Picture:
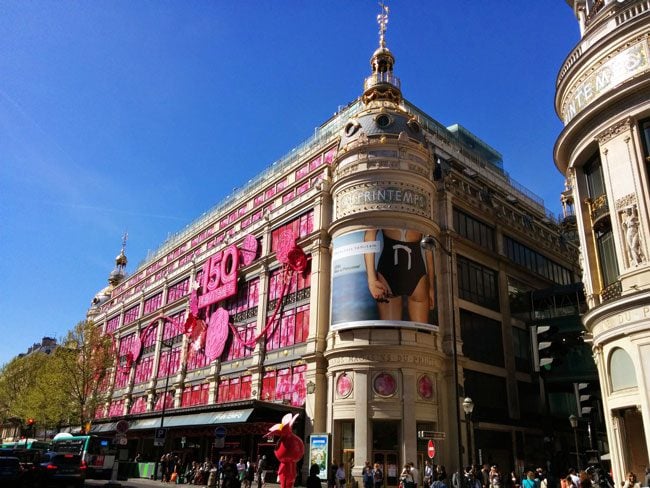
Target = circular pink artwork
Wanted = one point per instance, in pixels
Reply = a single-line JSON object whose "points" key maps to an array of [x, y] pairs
{"points": [[344, 386], [215, 340], [384, 384], [425, 387]]}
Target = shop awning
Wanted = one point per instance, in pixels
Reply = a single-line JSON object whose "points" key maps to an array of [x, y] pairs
{"points": [[109, 427], [197, 419]]}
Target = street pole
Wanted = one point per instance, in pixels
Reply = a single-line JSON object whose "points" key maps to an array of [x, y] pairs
{"points": [[574, 425], [164, 405], [428, 243], [468, 408]]}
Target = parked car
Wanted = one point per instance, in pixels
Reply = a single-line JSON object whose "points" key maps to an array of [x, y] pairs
{"points": [[57, 468], [11, 472]]}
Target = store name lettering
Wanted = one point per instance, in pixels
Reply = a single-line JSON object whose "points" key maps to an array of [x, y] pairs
{"points": [[385, 195], [219, 280], [624, 65]]}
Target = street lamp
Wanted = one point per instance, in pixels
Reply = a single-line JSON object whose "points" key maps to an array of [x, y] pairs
{"points": [[573, 420], [428, 242], [169, 346], [468, 408]]}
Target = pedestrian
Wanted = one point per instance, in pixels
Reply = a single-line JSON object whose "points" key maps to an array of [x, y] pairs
{"points": [[495, 477], [529, 481], [440, 481], [428, 474], [406, 478], [261, 471], [340, 476], [313, 480], [630, 481], [415, 473], [378, 476]]}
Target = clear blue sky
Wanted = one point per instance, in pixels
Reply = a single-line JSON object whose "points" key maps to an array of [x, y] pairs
{"points": [[141, 115]]}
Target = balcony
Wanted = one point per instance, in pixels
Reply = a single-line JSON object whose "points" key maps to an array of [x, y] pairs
{"points": [[382, 79], [611, 292]]}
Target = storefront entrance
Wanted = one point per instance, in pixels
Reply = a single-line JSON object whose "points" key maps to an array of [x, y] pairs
{"points": [[389, 463]]}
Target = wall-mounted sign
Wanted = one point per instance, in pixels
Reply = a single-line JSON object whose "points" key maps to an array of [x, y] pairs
{"points": [[619, 68], [397, 196]]}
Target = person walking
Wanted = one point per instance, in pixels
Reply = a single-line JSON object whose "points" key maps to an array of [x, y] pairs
{"points": [[378, 476], [261, 471]]}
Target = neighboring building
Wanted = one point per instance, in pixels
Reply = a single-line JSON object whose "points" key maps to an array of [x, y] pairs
{"points": [[46, 346], [362, 342], [603, 97]]}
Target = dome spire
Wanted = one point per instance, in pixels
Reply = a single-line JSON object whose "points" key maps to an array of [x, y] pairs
{"points": [[382, 84], [118, 274]]}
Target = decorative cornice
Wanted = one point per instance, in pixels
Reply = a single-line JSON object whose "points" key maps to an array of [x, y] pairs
{"points": [[615, 130]]}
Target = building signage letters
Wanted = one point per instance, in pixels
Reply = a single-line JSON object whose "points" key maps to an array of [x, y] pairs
{"points": [[627, 317], [219, 280], [385, 195], [624, 65], [384, 358]]}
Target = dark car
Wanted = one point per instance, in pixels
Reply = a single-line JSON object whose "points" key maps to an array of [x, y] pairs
{"points": [[11, 472], [61, 469], [29, 460]]}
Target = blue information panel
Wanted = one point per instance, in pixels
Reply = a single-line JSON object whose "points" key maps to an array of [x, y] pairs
{"points": [[319, 453]]}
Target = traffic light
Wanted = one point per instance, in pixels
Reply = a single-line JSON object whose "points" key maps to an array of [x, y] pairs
{"points": [[543, 346], [584, 395], [30, 427]]}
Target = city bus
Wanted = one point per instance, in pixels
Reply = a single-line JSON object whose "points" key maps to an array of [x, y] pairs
{"points": [[26, 444], [97, 453]]}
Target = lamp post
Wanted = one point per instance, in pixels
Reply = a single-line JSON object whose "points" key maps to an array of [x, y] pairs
{"points": [[573, 420], [468, 408], [164, 404], [428, 242]]}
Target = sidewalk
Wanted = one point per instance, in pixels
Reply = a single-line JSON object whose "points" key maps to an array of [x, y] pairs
{"points": [[144, 482]]}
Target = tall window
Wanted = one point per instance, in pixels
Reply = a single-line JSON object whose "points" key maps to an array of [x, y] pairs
{"points": [[536, 262], [645, 132], [482, 339], [593, 171], [607, 255], [473, 229], [477, 284]]}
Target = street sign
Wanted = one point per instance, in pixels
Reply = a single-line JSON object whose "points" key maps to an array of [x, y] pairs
{"points": [[122, 441], [220, 432], [431, 449], [122, 427], [159, 438], [219, 442], [432, 434]]}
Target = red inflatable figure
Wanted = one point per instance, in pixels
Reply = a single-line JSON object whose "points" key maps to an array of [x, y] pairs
{"points": [[289, 450]]}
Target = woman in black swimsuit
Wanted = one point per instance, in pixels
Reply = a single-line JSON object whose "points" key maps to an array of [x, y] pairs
{"points": [[404, 269]]}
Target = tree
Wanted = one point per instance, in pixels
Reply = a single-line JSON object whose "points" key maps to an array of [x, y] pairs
{"points": [[82, 362], [18, 378]]}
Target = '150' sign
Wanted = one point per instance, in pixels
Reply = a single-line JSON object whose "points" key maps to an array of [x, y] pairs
{"points": [[219, 280]]}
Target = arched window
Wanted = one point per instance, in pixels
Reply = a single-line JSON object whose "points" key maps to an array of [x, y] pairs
{"points": [[621, 370]]}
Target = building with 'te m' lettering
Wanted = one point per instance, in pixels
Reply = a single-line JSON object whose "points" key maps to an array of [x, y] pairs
{"points": [[603, 98], [369, 282]]}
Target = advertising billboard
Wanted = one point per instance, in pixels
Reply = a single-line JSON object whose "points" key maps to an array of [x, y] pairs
{"points": [[318, 453], [382, 277]]}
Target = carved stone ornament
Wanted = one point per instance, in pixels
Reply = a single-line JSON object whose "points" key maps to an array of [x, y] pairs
{"points": [[626, 201], [613, 131], [630, 226]]}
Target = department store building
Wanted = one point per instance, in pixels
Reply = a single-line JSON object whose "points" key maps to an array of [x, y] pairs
{"points": [[368, 281], [603, 98]]}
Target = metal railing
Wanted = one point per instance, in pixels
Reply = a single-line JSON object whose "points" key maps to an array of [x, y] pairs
{"points": [[381, 78]]}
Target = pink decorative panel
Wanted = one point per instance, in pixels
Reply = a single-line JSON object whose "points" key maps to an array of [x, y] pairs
{"points": [[152, 304], [384, 384], [131, 314], [139, 405], [425, 387], [112, 324], [344, 385]]}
